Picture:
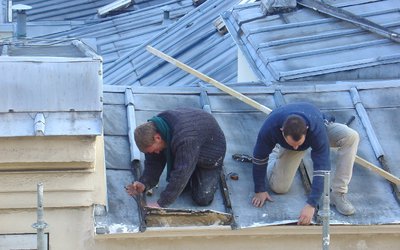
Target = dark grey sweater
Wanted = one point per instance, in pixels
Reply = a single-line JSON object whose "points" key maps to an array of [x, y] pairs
{"points": [[197, 141]]}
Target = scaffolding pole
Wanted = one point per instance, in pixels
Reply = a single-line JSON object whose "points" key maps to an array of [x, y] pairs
{"points": [[325, 214], [40, 225]]}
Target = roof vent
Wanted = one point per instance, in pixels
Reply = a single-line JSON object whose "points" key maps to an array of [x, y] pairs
{"points": [[166, 10], [271, 7], [198, 2], [21, 19], [114, 6], [220, 25]]}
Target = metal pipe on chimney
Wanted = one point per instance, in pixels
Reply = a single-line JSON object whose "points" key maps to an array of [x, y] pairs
{"points": [[21, 19], [166, 15]]}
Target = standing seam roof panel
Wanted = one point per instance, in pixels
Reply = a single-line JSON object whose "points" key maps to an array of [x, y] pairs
{"points": [[182, 37], [304, 44]]}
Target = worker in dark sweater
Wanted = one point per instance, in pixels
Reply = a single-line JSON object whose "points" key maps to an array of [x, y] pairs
{"points": [[286, 133], [192, 146]]}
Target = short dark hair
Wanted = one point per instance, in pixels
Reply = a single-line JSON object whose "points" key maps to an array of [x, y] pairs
{"points": [[144, 135], [295, 126]]}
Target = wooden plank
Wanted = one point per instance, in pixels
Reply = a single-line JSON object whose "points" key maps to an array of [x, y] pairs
{"points": [[210, 80], [388, 176]]}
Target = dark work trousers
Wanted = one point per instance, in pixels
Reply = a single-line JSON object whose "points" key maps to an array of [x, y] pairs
{"points": [[204, 184]]}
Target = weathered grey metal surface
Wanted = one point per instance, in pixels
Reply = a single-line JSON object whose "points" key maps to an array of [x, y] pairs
{"points": [[307, 45], [347, 16], [44, 50], [2, 12], [14, 124], [291, 46], [76, 9], [118, 35], [122, 216], [118, 164], [371, 194], [194, 40], [42, 28], [143, 4], [50, 78], [6, 31], [62, 10], [60, 83]]}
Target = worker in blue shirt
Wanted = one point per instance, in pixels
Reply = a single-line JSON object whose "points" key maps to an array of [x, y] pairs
{"points": [[285, 136]]}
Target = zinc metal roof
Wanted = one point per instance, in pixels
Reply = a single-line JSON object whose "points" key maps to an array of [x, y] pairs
{"points": [[194, 40], [304, 44], [62, 10], [118, 35], [58, 84], [241, 124], [78, 9]]}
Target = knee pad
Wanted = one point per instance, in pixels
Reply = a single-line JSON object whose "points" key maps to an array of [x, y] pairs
{"points": [[204, 201]]}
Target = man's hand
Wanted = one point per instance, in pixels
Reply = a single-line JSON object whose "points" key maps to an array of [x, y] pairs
{"points": [[153, 205], [260, 198], [306, 215], [135, 188]]}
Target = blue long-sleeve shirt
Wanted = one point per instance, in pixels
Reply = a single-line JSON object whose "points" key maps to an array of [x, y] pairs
{"points": [[316, 138]]}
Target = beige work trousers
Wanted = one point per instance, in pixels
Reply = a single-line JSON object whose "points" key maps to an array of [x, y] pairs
{"points": [[283, 163]]}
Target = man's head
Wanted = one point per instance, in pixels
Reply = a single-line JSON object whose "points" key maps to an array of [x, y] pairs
{"points": [[294, 130], [148, 139]]}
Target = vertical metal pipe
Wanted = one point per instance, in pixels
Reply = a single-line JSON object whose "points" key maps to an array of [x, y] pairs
{"points": [[131, 116], [21, 23], [9, 12], [40, 225], [362, 113], [135, 154], [40, 213], [326, 212]]}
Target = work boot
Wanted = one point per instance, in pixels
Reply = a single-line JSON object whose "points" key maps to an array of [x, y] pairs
{"points": [[341, 203]]}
